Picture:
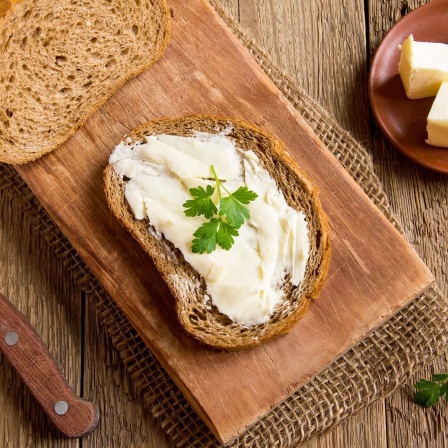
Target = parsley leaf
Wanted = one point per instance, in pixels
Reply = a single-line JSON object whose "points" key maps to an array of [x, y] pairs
{"points": [[205, 240], [225, 217], [444, 391], [211, 233], [438, 377], [427, 397], [429, 392], [424, 385], [244, 195], [234, 211], [225, 235], [202, 203]]}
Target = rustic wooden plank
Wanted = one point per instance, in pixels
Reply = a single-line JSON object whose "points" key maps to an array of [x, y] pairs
{"points": [[37, 285], [322, 45], [419, 198], [186, 80]]}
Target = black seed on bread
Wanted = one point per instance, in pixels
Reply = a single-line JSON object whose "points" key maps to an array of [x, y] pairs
{"points": [[196, 314], [60, 60]]}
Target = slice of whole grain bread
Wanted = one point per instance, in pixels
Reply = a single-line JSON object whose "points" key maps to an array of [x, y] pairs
{"points": [[60, 60], [188, 288]]}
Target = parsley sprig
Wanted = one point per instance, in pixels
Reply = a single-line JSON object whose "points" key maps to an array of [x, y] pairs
{"points": [[429, 392], [225, 217]]}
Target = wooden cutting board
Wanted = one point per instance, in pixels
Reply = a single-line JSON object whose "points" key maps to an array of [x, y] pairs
{"points": [[374, 272]]}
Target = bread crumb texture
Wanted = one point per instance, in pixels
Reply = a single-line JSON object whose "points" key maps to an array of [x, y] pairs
{"points": [[60, 60], [195, 310]]}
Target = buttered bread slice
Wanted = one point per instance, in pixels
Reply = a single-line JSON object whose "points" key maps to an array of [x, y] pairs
{"points": [[233, 225], [60, 60]]}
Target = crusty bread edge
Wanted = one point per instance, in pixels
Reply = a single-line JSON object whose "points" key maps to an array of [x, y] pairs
{"points": [[280, 152], [34, 156]]}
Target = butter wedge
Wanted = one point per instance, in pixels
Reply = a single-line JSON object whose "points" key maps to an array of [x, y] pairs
{"points": [[438, 119], [423, 67]]}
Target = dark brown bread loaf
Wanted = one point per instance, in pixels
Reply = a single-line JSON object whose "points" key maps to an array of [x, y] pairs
{"points": [[60, 60], [186, 285]]}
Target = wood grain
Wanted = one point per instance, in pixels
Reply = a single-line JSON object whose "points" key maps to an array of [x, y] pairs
{"points": [[25, 259], [374, 272]]}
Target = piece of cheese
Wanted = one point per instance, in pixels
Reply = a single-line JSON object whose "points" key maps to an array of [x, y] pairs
{"points": [[423, 67], [438, 119]]}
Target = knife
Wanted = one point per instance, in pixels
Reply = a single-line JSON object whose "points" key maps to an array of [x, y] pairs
{"points": [[27, 353]]}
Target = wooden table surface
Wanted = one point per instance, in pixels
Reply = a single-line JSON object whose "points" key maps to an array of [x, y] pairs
{"points": [[326, 45]]}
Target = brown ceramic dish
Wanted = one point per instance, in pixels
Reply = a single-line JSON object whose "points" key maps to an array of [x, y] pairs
{"points": [[403, 120]]}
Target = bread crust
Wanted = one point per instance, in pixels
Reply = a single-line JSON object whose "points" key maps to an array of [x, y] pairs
{"points": [[170, 262], [21, 142]]}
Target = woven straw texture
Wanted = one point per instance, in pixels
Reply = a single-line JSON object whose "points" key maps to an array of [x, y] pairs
{"points": [[371, 370]]}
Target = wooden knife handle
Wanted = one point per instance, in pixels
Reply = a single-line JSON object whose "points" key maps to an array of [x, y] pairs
{"points": [[27, 353]]}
